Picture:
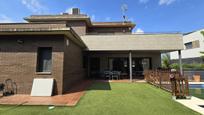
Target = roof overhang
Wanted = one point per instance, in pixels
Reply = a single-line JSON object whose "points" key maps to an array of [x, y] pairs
{"points": [[81, 17], [55, 18], [113, 24], [68, 32], [140, 42]]}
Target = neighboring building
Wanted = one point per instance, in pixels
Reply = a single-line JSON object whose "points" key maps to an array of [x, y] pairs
{"points": [[193, 43], [69, 48]]}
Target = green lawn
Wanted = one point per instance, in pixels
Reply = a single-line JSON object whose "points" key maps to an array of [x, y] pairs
{"points": [[112, 99]]}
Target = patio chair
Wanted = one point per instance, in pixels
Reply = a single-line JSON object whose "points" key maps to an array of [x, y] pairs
{"points": [[116, 74], [1, 89], [9, 88], [107, 74]]}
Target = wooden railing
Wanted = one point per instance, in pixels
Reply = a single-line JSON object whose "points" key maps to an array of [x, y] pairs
{"points": [[180, 87], [170, 81]]}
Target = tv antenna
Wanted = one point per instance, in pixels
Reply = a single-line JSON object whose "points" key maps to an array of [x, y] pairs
{"points": [[124, 9]]}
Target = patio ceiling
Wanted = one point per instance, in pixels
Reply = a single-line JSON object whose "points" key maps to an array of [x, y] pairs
{"points": [[134, 42]]}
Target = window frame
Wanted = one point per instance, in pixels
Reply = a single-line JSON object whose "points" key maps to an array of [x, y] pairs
{"points": [[187, 45], [39, 69]]}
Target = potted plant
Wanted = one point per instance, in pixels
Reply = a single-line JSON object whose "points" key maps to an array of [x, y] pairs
{"points": [[196, 77]]}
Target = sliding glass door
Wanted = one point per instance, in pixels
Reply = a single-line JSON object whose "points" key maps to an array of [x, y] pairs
{"points": [[97, 68], [139, 65], [119, 64], [122, 65]]}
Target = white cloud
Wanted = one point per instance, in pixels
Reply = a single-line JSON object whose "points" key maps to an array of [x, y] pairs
{"points": [[34, 6], [166, 2], [139, 31], [160, 2], [5, 19], [144, 1]]}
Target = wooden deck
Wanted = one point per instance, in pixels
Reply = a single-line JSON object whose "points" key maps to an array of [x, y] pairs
{"points": [[71, 98]]}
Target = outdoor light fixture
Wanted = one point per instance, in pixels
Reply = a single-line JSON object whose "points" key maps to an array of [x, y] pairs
{"points": [[67, 42]]}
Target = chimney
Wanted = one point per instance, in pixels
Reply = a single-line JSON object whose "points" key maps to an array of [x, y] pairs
{"points": [[75, 11]]}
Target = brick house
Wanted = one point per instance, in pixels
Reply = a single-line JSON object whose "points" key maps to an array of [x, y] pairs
{"points": [[70, 47]]}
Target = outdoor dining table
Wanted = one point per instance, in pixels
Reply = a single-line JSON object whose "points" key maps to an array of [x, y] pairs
{"points": [[112, 74]]}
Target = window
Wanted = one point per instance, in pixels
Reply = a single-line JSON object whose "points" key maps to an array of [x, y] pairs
{"points": [[188, 45], [119, 64], [44, 59]]}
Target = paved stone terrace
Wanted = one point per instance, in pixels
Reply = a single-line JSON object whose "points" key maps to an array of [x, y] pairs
{"points": [[194, 103]]}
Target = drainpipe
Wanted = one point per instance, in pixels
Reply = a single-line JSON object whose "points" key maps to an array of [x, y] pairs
{"points": [[180, 62], [130, 65]]}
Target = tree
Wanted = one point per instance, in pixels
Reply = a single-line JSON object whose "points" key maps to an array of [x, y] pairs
{"points": [[202, 32], [202, 55], [166, 61]]}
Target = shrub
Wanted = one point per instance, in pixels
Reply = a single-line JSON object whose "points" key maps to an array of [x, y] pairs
{"points": [[165, 61], [188, 66], [174, 66]]}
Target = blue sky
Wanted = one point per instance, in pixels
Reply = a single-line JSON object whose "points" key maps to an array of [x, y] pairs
{"points": [[149, 15]]}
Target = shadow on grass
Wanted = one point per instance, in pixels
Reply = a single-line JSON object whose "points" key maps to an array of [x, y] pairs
{"points": [[90, 85], [100, 86]]}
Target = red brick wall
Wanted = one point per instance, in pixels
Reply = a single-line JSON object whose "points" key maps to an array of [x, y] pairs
{"points": [[18, 61], [78, 26], [73, 65]]}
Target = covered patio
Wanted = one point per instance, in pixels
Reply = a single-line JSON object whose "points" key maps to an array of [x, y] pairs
{"points": [[127, 56], [101, 63]]}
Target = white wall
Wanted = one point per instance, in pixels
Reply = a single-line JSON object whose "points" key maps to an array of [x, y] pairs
{"points": [[190, 53]]}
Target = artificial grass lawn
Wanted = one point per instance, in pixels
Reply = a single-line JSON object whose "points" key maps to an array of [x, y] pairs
{"points": [[112, 99]]}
